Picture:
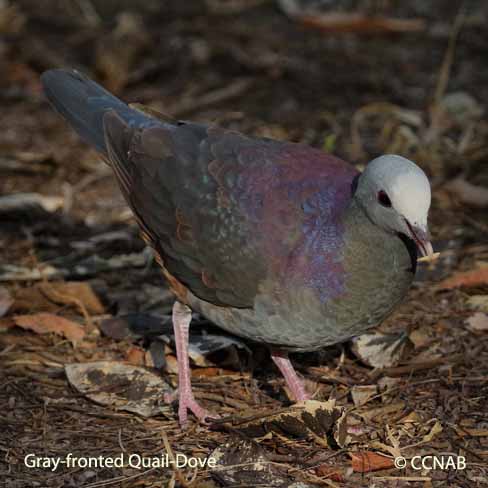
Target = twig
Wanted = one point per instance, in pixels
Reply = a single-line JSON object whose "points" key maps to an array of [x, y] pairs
{"points": [[238, 87], [412, 367]]}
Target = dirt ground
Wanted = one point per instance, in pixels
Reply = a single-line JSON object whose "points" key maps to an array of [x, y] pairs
{"points": [[355, 88]]}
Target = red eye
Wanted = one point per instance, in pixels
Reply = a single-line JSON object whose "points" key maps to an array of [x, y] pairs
{"points": [[384, 199]]}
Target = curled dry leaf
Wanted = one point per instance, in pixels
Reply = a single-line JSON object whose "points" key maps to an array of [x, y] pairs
{"points": [[474, 277], [366, 461], [46, 323], [122, 386]]}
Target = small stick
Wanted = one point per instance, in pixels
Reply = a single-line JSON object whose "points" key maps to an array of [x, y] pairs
{"points": [[428, 259]]}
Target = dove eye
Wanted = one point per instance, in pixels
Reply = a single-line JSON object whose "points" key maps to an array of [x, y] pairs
{"points": [[384, 199]]}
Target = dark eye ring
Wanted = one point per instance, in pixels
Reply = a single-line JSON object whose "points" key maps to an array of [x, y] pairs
{"points": [[384, 199]]}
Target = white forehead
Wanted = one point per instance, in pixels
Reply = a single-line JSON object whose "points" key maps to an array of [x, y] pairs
{"points": [[406, 185]]}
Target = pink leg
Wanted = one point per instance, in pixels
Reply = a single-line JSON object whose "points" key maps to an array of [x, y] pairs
{"points": [[292, 380], [181, 325]]}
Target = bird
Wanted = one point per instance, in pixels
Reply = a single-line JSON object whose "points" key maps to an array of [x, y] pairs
{"points": [[274, 241]]}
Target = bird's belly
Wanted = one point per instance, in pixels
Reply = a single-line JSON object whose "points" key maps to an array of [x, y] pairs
{"points": [[297, 320], [310, 327]]}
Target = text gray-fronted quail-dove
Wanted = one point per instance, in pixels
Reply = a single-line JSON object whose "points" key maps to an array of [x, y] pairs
{"points": [[274, 241]]}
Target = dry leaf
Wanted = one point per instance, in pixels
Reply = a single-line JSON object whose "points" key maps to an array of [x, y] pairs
{"points": [[5, 301], [366, 461], [46, 323], [420, 338], [361, 394], [306, 419], [436, 429], [46, 297], [136, 356], [478, 322], [120, 385], [330, 472], [379, 350], [474, 277], [70, 292], [31, 299], [411, 418], [242, 462]]}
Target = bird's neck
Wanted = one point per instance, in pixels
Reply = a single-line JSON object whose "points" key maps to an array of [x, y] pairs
{"points": [[372, 244], [359, 225]]}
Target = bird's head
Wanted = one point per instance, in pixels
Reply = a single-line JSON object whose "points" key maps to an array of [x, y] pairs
{"points": [[395, 194]]}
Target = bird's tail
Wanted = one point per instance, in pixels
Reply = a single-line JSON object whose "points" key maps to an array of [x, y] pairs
{"points": [[84, 103]]}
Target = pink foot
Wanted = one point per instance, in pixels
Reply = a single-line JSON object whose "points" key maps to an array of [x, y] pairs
{"points": [[293, 382], [188, 402], [181, 325]]}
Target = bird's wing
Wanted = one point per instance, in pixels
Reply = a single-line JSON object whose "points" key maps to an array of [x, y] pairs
{"points": [[223, 210]]}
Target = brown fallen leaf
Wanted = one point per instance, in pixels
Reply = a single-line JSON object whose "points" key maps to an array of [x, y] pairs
{"points": [[76, 293], [6, 301], [46, 323], [474, 277], [366, 461], [47, 297], [330, 472], [467, 193], [478, 322]]}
